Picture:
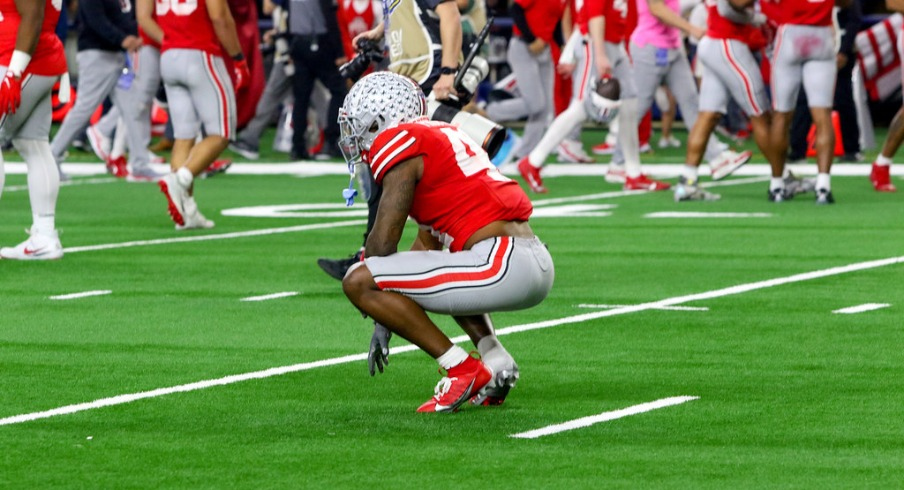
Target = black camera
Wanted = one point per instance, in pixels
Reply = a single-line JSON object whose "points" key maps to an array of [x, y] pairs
{"points": [[369, 51]]}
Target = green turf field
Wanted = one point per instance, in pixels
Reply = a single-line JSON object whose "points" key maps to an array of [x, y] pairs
{"points": [[737, 312]]}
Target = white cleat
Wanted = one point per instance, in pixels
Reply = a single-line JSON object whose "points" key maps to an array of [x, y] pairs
{"points": [[175, 196], [100, 143], [37, 247], [572, 151], [727, 162], [194, 220]]}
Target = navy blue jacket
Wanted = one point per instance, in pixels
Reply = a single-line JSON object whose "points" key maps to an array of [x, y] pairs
{"points": [[105, 23]]}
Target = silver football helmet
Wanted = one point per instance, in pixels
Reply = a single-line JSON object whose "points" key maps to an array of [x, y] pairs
{"points": [[602, 100], [374, 103]]}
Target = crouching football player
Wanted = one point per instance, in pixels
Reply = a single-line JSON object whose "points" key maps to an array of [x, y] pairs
{"points": [[434, 173]]}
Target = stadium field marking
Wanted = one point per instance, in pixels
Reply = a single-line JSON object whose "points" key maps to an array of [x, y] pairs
{"points": [[667, 308], [68, 183], [862, 308], [604, 417], [266, 297], [687, 214], [83, 294], [612, 194], [278, 371], [222, 236]]}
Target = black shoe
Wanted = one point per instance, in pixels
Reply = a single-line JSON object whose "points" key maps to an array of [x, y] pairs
{"points": [[780, 195], [824, 196], [294, 155], [328, 151], [337, 268], [247, 150]]}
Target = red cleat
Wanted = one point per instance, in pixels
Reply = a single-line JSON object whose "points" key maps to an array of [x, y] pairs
{"points": [[531, 175], [217, 167], [603, 149], [880, 176], [118, 167], [644, 183], [461, 383]]}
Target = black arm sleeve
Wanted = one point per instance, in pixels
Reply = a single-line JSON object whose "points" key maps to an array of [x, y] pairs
{"points": [[521, 21], [97, 17], [557, 35], [849, 20]]}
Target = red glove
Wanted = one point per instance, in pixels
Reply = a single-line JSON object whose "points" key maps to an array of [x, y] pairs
{"points": [[241, 74], [10, 93]]}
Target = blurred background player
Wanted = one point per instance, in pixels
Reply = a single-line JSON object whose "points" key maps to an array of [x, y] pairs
{"points": [[880, 176], [199, 91], [31, 61], [436, 174], [537, 26], [804, 55], [107, 28], [730, 72]]}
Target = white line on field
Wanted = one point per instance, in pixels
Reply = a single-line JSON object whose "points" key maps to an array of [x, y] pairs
{"points": [[68, 183], [222, 236], [265, 297], [668, 308], [862, 308], [236, 378], [608, 195], [604, 417], [84, 294], [688, 214]]}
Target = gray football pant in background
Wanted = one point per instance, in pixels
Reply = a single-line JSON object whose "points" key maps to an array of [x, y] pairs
{"points": [[676, 73], [140, 96], [277, 90], [98, 73], [534, 75]]}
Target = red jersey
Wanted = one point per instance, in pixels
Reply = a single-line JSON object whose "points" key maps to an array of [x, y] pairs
{"points": [[355, 17], [186, 25], [49, 59], [616, 13], [799, 12], [542, 17], [584, 10], [460, 191], [718, 27]]}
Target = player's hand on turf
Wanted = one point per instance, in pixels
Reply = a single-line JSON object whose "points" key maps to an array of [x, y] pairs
{"points": [[10, 93], [378, 354], [241, 74]]}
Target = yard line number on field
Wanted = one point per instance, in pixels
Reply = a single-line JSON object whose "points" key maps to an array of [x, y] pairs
{"points": [[717, 293]]}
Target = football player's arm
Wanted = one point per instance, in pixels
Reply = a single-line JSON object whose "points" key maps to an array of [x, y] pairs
{"points": [[895, 5], [395, 204], [671, 18], [597, 30], [31, 13], [144, 13], [450, 38], [426, 241], [736, 10], [224, 27]]}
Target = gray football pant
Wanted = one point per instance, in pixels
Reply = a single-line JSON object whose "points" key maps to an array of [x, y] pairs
{"points": [[98, 73], [277, 90], [534, 75], [676, 73], [140, 96]]}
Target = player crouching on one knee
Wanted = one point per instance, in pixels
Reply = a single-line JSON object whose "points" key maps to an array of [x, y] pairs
{"points": [[434, 173]]}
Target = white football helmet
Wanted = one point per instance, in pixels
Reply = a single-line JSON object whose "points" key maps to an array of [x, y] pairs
{"points": [[374, 103], [599, 108]]}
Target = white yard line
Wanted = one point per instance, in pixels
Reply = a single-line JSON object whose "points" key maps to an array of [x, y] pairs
{"points": [[604, 417], [718, 293], [689, 214], [84, 294], [266, 297], [667, 308], [222, 236], [861, 308], [68, 183]]}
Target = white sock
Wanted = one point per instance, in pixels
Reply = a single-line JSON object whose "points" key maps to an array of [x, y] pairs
{"points": [[690, 173], [824, 181], [563, 124], [184, 177], [883, 160], [43, 181], [453, 357], [776, 183]]}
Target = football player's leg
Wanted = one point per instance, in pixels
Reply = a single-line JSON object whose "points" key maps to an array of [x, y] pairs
{"points": [[214, 98], [628, 118], [819, 83]]}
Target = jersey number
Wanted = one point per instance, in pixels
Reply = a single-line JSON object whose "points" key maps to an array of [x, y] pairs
{"points": [[469, 159], [177, 7]]}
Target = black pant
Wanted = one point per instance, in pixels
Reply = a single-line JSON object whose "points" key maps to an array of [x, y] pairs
{"points": [[847, 112], [315, 59]]}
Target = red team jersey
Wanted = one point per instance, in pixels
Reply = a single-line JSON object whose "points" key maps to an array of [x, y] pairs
{"points": [[616, 13], [584, 10], [187, 26], [355, 17], [718, 27], [799, 12], [542, 17], [48, 58], [460, 191]]}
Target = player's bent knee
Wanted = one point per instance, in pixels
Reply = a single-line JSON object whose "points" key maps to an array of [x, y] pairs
{"points": [[357, 281]]}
